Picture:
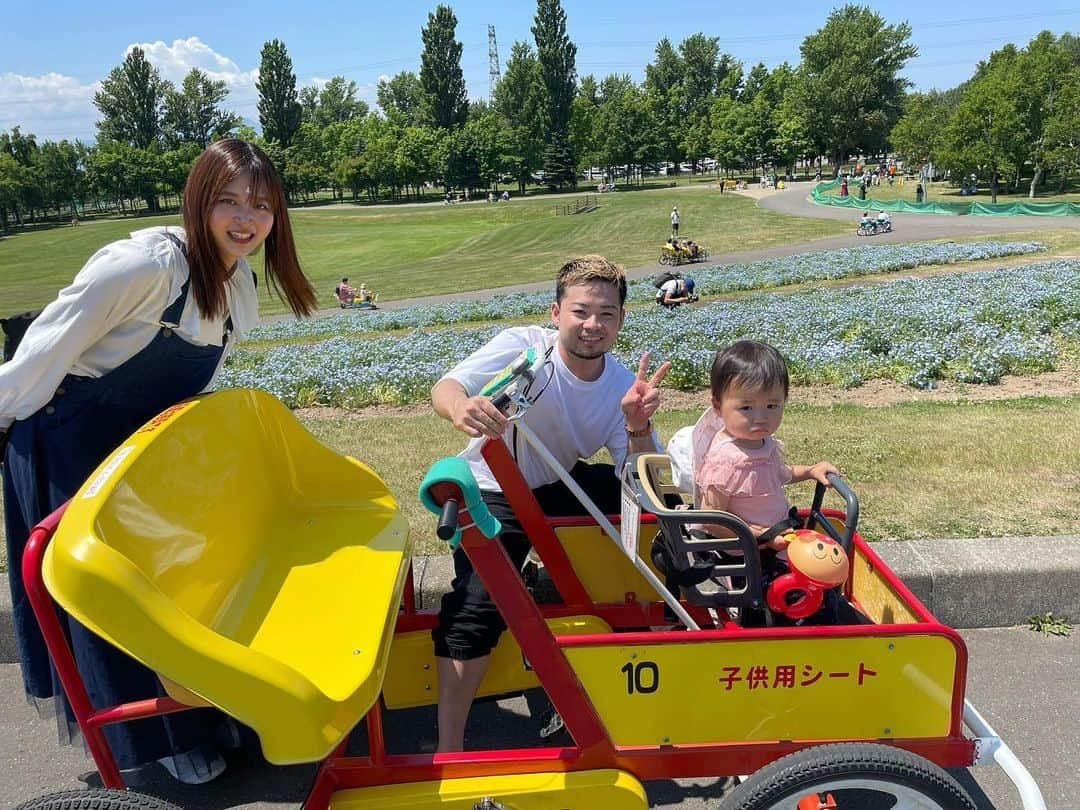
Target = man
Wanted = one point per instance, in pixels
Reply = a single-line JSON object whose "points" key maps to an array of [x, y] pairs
{"points": [[587, 401], [676, 291], [675, 221]]}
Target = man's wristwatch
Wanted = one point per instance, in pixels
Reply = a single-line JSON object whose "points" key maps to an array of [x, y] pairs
{"points": [[640, 434]]}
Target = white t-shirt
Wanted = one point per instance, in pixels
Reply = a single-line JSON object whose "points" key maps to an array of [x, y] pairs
{"points": [[573, 418], [674, 217], [110, 312], [670, 287]]}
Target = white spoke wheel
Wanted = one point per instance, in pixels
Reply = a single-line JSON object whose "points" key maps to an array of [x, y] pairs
{"points": [[97, 799], [859, 776]]}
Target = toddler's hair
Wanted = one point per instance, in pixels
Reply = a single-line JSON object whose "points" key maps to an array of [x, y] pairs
{"points": [[752, 364]]}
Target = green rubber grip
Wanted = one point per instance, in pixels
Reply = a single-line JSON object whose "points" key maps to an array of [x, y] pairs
{"points": [[455, 470]]}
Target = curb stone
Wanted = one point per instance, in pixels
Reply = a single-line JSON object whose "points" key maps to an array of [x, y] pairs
{"points": [[966, 583]]}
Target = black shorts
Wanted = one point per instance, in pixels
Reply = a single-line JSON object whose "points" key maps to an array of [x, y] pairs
{"points": [[469, 623]]}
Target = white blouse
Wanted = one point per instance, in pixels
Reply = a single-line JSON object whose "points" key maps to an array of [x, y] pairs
{"points": [[110, 312]]}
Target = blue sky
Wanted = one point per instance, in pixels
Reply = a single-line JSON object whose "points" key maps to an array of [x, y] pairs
{"points": [[51, 60]]}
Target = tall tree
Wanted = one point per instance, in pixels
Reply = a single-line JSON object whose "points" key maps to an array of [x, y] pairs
{"points": [[917, 135], [193, 113], [986, 134], [556, 56], [402, 96], [130, 101], [519, 96], [1044, 68], [338, 102], [440, 70], [849, 81], [61, 173], [279, 109]]}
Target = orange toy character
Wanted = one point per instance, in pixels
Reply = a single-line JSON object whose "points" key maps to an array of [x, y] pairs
{"points": [[817, 563]]}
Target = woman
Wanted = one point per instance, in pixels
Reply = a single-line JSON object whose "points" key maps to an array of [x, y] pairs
{"points": [[146, 323]]}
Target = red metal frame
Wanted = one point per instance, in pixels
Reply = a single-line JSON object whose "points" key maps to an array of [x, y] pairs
{"points": [[91, 721], [526, 620]]}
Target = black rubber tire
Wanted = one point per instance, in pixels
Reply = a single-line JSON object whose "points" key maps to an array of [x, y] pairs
{"points": [[823, 768], [97, 799]]}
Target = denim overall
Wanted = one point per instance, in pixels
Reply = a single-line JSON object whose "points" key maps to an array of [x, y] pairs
{"points": [[48, 458]]}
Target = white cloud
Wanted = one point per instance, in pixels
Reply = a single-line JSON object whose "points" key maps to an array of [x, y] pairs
{"points": [[52, 107], [175, 61]]}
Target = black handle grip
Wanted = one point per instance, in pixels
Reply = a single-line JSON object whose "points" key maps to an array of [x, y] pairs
{"points": [[501, 400], [851, 512], [448, 520]]}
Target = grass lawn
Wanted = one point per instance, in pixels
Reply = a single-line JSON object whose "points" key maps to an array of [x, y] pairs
{"points": [[429, 249], [921, 470]]}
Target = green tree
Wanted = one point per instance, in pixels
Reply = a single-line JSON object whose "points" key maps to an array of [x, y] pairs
{"points": [[626, 126], [194, 115], [279, 109], [986, 135], [15, 180], [402, 97], [1044, 67], [556, 56], [61, 174], [130, 102], [519, 96], [1062, 131], [681, 85], [418, 157], [440, 70], [917, 135], [337, 102], [849, 81]]}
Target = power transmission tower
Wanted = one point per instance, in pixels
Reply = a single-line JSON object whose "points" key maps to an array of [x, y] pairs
{"points": [[493, 62]]}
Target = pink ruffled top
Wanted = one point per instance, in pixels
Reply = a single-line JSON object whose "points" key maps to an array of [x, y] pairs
{"points": [[752, 478]]}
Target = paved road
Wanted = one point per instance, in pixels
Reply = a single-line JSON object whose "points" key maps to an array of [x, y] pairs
{"points": [[906, 228], [1023, 683]]}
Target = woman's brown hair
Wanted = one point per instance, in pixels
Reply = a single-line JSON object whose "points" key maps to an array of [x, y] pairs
{"points": [[214, 169]]}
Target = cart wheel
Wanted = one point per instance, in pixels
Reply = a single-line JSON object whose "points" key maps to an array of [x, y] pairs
{"points": [[863, 775], [97, 799]]}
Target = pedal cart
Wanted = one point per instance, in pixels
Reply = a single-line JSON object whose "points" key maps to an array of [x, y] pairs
{"points": [[272, 579], [682, 251]]}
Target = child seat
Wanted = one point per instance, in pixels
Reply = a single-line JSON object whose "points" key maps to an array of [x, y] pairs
{"points": [[719, 572], [251, 566]]}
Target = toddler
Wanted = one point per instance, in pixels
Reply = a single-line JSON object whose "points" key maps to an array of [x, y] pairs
{"points": [[739, 466]]}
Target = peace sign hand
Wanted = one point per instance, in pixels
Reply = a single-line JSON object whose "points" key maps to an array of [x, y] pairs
{"points": [[643, 398]]}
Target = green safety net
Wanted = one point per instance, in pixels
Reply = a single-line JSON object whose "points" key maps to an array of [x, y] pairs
{"points": [[1047, 209]]}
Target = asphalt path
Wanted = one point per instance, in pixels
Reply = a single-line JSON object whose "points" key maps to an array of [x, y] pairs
{"points": [[1022, 682], [794, 202]]}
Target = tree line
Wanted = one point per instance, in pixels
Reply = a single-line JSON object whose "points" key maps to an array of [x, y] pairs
{"points": [[1017, 117]]}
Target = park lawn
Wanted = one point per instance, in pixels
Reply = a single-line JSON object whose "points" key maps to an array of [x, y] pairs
{"points": [[921, 470], [405, 251]]}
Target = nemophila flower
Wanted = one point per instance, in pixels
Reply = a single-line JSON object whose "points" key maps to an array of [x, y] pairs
{"points": [[973, 327], [851, 262]]}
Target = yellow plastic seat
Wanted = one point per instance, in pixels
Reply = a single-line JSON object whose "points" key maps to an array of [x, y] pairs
{"points": [[228, 550]]}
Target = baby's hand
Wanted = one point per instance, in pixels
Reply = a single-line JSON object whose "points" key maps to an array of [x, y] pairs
{"points": [[778, 543], [820, 470]]}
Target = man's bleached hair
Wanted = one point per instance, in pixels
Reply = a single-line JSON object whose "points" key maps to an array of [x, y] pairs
{"points": [[586, 269]]}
